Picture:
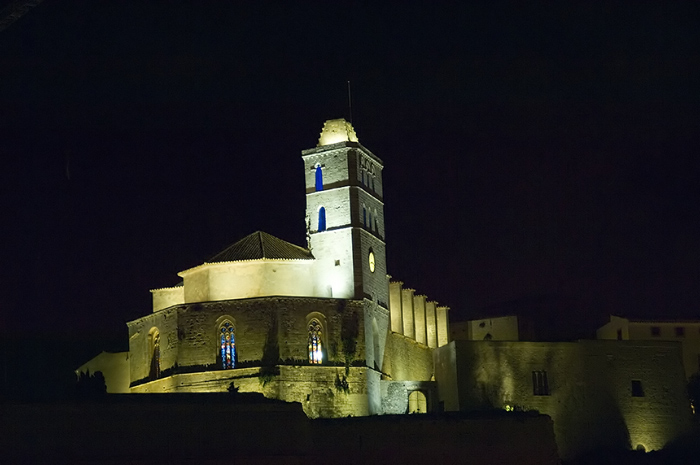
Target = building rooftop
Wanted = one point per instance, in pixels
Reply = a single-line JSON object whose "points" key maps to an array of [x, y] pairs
{"points": [[260, 245]]}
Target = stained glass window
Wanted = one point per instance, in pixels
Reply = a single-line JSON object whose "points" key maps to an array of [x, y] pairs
{"points": [[228, 346], [315, 344]]}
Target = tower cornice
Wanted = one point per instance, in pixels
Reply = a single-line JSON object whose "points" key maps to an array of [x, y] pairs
{"points": [[340, 145]]}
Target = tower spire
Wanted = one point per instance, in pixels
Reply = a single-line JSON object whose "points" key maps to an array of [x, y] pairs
{"points": [[349, 103]]}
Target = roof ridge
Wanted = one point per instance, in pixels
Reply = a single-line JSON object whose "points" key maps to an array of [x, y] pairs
{"points": [[262, 243]]}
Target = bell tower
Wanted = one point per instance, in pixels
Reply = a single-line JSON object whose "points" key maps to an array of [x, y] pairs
{"points": [[345, 214]]}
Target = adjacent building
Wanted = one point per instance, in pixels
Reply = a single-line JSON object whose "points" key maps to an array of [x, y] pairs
{"points": [[324, 325]]}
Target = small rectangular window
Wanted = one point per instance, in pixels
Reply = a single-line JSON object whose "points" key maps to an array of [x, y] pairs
{"points": [[637, 390], [540, 384], [680, 331], [655, 331]]}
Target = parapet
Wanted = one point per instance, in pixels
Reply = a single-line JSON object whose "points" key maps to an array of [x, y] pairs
{"points": [[336, 130]]}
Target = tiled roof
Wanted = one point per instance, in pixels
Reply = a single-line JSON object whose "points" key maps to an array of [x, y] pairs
{"points": [[261, 245]]}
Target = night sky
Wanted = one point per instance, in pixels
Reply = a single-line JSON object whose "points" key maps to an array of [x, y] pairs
{"points": [[529, 151]]}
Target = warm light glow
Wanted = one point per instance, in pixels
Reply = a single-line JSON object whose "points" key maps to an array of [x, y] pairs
{"points": [[336, 130], [315, 344]]}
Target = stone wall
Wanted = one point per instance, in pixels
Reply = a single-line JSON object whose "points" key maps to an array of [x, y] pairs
{"points": [[374, 284], [316, 388], [395, 396], [267, 330], [334, 262], [167, 297], [166, 323], [590, 391], [338, 206], [251, 278], [114, 366], [334, 166], [407, 360], [688, 337], [417, 317]]}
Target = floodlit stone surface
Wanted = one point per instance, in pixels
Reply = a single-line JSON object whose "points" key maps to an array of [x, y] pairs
{"points": [[336, 130], [687, 333], [384, 346], [590, 394]]}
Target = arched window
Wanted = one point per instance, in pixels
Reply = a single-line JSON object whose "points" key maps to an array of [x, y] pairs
{"points": [[315, 343], [370, 219], [322, 219], [154, 352], [364, 216], [363, 177], [376, 224], [319, 178], [228, 346], [373, 183], [417, 402]]}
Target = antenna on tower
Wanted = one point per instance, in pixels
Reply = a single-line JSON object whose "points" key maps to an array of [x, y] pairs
{"points": [[350, 102]]}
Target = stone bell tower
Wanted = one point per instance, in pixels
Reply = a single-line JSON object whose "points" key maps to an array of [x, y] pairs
{"points": [[345, 214]]}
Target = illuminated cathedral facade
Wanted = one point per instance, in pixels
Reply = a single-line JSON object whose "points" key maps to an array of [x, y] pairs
{"points": [[316, 324], [325, 326]]}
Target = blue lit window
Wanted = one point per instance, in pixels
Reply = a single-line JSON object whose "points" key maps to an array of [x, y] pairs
{"points": [[322, 219], [315, 343], [319, 178], [228, 346]]}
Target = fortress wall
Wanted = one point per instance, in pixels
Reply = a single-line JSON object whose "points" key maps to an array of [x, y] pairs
{"points": [[407, 313], [431, 324], [314, 387], [407, 360], [419, 321], [590, 388], [395, 396], [395, 306]]}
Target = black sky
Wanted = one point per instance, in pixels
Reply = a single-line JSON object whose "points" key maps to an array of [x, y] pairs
{"points": [[528, 150]]}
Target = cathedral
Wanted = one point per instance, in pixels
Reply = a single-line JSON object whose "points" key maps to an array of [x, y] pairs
{"points": [[325, 326], [320, 325]]}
